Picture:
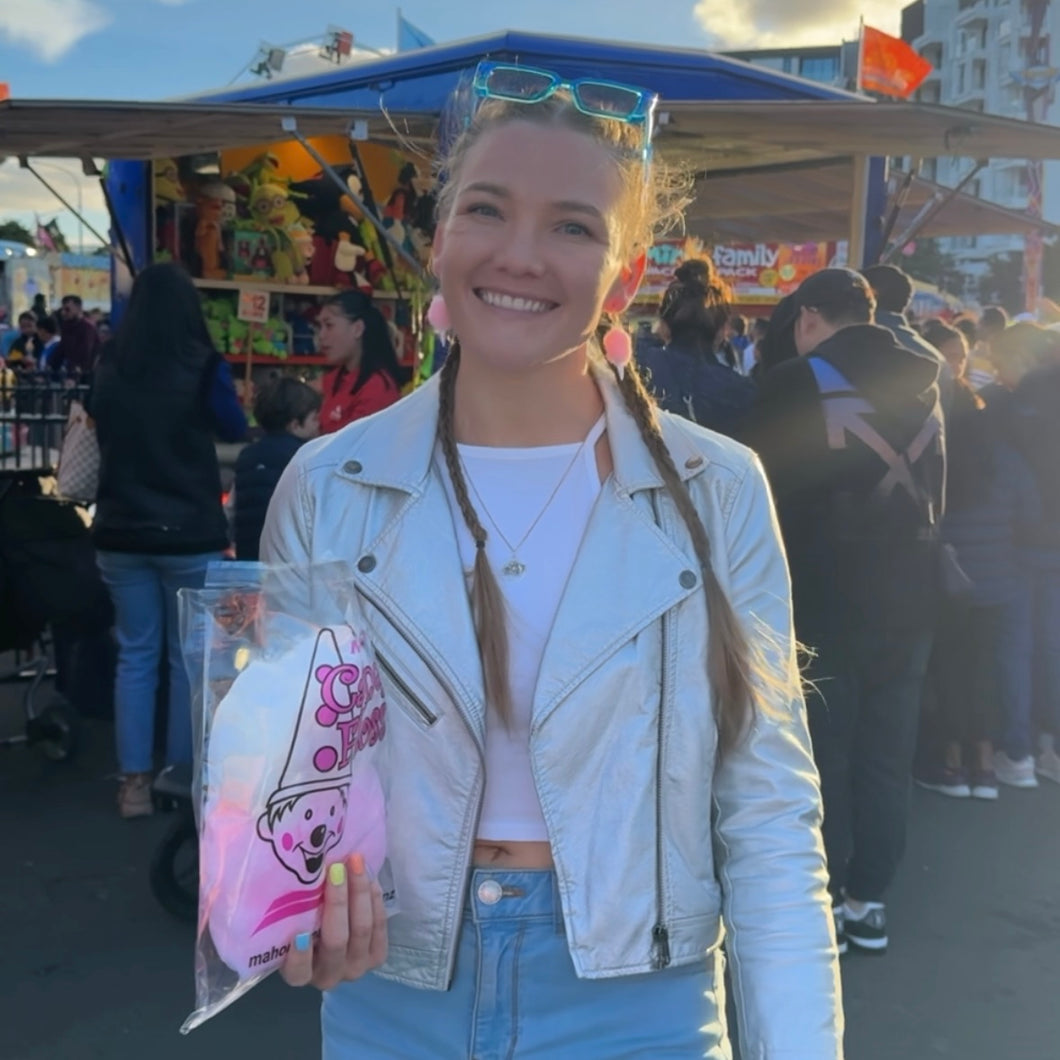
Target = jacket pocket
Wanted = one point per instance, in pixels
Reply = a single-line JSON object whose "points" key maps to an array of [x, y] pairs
{"points": [[412, 702]]}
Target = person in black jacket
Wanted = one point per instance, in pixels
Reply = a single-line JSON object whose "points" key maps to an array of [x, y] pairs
{"points": [[686, 376], [850, 433], [160, 395], [288, 411]]}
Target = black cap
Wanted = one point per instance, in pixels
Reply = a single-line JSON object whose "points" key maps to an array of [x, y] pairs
{"points": [[829, 287]]}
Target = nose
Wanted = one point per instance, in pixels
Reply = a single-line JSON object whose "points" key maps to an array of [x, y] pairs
{"points": [[318, 835], [520, 252]]}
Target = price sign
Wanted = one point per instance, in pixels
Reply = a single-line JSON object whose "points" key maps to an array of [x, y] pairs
{"points": [[253, 306]]}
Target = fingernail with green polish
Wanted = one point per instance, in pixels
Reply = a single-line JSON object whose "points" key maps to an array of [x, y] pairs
{"points": [[337, 874]]}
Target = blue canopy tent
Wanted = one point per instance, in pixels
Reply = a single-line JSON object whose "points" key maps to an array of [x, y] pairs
{"points": [[412, 88]]}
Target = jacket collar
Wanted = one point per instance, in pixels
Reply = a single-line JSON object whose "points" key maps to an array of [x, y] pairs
{"points": [[395, 450]]}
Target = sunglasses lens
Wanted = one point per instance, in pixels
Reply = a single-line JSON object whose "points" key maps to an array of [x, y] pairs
{"points": [[510, 82], [614, 101]]}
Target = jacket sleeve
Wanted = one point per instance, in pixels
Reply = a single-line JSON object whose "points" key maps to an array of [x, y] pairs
{"points": [[288, 532], [767, 814], [229, 420]]}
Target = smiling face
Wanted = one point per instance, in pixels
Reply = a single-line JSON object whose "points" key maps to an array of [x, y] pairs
{"points": [[530, 247]]}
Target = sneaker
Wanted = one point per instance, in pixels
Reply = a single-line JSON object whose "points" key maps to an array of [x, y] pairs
{"points": [[1016, 774], [1048, 765], [134, 795], [984, 784], [945, 780], [866, 930], [839, 918]]}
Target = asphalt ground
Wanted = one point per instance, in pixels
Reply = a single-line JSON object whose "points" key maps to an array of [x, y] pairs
{"points": [[93, 969]]}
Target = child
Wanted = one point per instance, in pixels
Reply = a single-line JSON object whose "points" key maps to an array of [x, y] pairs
{"points": [[582, 614], [288, 410]]}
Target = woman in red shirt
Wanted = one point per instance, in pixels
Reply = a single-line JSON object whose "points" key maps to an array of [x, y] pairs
{"points": [[353, 336]]}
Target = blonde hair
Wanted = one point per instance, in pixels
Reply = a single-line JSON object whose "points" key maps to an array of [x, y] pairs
{"points": [[652, 202]]}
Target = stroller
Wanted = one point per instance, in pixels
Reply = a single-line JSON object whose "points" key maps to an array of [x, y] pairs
{"points": [[48, 582]]}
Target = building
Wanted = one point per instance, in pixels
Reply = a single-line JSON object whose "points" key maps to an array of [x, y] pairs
{"points": [[833, 64], [991, 56]]}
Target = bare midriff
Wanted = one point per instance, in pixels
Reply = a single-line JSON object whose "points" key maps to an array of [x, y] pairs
{"points": [[501, 854]]}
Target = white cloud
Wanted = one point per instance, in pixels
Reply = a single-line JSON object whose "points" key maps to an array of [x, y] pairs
{"points": [[50, 28], [791, 23]]}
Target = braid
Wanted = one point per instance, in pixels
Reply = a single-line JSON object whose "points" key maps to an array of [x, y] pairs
{"points": [[487, 603], [730, 661]]}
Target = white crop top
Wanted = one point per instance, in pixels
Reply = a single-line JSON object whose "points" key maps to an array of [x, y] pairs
{"points": [[510, 489]]}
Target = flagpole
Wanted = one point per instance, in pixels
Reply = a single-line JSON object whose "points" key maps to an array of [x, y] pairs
{"points": [[861, 52]]}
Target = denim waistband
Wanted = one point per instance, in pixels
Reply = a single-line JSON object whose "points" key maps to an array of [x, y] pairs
{"points": [[517, 894]]}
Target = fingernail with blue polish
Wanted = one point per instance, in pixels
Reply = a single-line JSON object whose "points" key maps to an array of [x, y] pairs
{"points": [[303, 941]]}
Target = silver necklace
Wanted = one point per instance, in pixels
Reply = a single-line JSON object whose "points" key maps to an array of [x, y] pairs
{"points": [[515, 567]]}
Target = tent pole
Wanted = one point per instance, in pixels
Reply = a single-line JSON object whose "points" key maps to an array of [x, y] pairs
{"points": [[290, 126], [24, 163], [859, 208], [929, 211]]}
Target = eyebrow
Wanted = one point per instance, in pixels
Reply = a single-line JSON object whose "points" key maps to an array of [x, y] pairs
{"points": [[566, 205]]}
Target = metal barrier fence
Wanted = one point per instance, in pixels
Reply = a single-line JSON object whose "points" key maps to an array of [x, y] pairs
{"points": [[33, 415]]}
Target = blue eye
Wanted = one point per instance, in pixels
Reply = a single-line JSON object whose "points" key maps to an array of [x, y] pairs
{"points": [[483, 209], [573, 228]]}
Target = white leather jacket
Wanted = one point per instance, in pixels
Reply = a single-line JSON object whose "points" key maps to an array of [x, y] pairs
{"points": [[656, 841]]}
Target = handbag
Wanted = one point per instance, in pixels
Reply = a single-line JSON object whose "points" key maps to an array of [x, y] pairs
{"points": [[78, 475]]}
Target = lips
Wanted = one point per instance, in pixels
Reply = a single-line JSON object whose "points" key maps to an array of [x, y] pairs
{"points": [[513, 303]]}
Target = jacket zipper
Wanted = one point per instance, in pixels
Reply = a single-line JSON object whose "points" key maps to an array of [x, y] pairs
{"points": [[466, 861], [426, 714], [660, 935]]}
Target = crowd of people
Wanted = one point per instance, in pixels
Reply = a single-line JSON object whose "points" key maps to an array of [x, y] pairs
{"points": [[62, 345], [917, 489]]}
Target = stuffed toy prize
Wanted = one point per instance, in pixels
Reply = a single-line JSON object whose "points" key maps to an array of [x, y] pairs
{"points": [[289, 787]]}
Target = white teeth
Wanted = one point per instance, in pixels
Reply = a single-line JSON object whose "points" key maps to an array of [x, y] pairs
{"points": [[507, 301]]}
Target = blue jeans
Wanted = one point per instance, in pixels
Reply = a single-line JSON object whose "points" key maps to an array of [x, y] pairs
{"points": [[515, 996], [1014, 656], [1047, 649], [144, 591]]}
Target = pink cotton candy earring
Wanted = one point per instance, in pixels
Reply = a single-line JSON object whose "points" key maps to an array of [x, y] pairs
{"points": [[618, 348], [438, 315]]}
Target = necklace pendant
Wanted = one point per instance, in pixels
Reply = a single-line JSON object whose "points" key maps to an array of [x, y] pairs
{"points": [[513, 568]]}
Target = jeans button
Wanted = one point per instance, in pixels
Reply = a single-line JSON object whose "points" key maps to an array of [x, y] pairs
{"points": [[490, 892]]}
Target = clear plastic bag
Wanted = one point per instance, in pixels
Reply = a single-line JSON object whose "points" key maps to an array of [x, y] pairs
{"points": [[289, 721]]}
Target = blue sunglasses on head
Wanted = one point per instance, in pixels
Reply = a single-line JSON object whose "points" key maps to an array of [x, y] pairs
{"points": [[598, 99]]}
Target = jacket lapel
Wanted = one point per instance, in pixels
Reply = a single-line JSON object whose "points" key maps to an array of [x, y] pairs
{"points": [[411, 571], [628, 570]]}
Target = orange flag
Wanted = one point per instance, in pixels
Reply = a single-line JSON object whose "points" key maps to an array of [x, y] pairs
{"points": [[890, 66], [5, 91]]}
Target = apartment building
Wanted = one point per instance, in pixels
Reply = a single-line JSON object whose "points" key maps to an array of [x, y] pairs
{"points": [[982, 54]]}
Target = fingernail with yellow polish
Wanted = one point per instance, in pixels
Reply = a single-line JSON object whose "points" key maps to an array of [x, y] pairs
{"points": [[337, 874]]}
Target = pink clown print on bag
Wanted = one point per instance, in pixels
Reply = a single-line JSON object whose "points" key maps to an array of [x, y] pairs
{"points": [[288, 792]]}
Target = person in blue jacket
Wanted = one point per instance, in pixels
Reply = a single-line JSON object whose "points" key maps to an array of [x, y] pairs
{"points": [[686, 376], [991, 500], [288, 411]]}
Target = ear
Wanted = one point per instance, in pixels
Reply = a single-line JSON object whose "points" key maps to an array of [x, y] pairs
{"points": [[358, 329], [625, 287]]}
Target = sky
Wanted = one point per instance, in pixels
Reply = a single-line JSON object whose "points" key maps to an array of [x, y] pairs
{"points": [[161, 49]]}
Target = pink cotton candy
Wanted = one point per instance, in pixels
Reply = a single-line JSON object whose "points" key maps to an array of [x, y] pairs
{"points": [[289, 791], [618, 348], [438, 314]]}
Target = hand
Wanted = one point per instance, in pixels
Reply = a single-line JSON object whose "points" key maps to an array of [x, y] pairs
{"points": [[352, 939]]}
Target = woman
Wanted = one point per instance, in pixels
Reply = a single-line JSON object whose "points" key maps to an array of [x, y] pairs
{"points": [[686, 376], [598, 746], [353, 336], [990, 501], [160, 395]]}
